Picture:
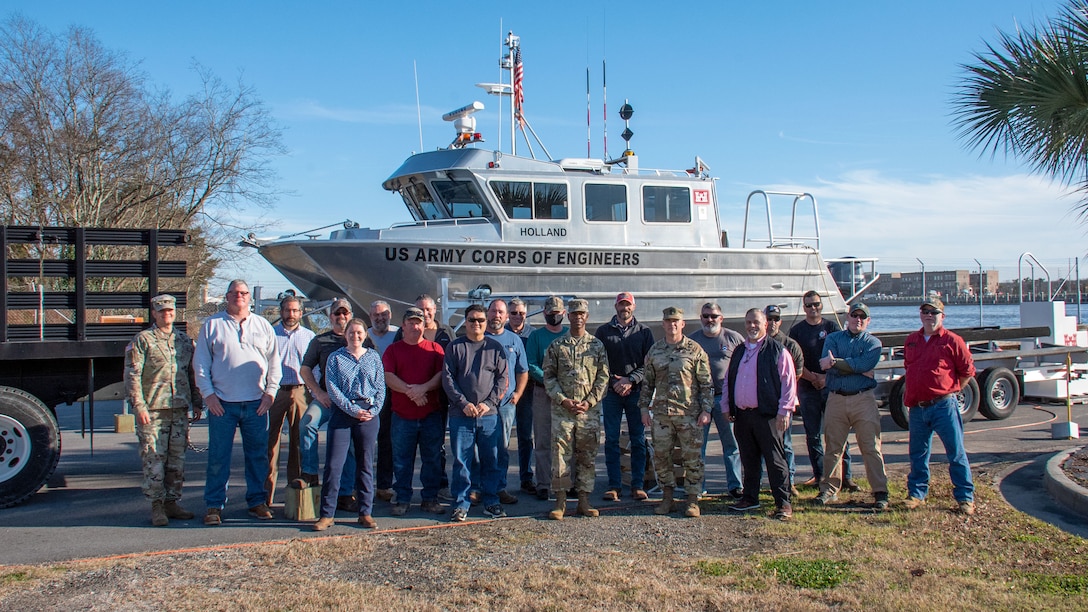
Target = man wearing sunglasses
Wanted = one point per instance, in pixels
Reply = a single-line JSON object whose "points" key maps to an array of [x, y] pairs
{"points": [[718, 343], [938, 364], [810, 334], [849, 358]]}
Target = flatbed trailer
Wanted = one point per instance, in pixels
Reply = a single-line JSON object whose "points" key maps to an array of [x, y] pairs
{"points": [[1003, 376], [61, 345]]}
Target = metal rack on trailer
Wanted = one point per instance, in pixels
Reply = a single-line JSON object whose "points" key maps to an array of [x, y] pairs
{"points": [[55, 359]]}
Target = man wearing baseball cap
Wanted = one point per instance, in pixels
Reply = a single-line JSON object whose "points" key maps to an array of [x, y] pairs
{"points": [[161, 393], [849, 357], [938, 365], [626, 341], [535, 347]]}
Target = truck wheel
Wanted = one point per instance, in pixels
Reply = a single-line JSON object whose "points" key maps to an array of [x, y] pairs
{"points": [[1000, 392], [29, 445], [968, 399], [895, 405]]}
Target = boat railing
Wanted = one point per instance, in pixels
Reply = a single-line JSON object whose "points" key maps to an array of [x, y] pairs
{"points": [[793, 239], [1032, 262], [443, 222]]}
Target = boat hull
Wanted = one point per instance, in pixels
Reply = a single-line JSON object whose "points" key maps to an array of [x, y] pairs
{"points": [[399, 271]]}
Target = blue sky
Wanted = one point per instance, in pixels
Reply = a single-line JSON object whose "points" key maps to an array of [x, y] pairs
{"points": [[850, 101]]}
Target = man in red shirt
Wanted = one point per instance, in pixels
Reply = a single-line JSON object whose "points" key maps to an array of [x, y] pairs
{"points": [[413, 375], [938, 364]]}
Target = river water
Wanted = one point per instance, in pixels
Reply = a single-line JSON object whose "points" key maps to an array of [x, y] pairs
{"points": [[903, 318]]}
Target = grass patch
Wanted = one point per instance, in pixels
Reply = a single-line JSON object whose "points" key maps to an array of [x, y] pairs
{"points": [[713, 567], [808, 573], [15, 577], [1056, 585]]}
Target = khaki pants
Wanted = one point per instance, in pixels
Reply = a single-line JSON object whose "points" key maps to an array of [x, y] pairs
{"points": [[860, 413], [289, 405]]}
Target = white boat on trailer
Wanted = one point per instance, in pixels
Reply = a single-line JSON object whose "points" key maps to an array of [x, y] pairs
{"points": [[488, 224]]}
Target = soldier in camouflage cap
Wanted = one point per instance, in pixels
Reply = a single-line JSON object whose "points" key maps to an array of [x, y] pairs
{"points": [[575, 378], [679, 391], [159, 385]]}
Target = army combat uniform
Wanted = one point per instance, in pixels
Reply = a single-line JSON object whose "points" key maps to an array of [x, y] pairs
{"points": [[677, 388], [575, 369], [159, 382]]}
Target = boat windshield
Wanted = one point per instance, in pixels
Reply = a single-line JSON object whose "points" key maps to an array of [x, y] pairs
{"points": [[462, 199], [421, 204]]}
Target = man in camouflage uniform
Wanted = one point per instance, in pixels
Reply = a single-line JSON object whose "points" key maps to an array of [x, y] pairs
{"points": [[575, 379], [160, 386], [678, 388]]}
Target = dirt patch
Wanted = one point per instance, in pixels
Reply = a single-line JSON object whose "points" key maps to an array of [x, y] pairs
{"points": [[1076, 467]]}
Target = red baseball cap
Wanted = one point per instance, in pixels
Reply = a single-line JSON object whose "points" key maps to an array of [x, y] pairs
{"points": [[625, 297]]}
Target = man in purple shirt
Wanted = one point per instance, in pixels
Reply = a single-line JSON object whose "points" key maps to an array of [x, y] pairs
{"points": [[759, 395]]}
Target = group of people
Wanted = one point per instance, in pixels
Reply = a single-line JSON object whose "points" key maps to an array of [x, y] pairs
{"points": [[388, 394]]}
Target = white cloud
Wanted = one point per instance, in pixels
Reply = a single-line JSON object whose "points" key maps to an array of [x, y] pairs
{"points": [[381, 115]]}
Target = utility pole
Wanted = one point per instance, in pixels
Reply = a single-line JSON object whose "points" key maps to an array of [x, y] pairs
{"points": [[980, 323]]}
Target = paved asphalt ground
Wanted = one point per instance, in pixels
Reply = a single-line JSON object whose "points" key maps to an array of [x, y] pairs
{"points": [[93, 507]]}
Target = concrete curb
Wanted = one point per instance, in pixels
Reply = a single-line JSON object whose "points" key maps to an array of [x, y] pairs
{"points": [[1061, 487]]}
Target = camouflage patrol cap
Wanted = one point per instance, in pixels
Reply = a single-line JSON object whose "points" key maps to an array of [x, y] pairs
{"points": [[414, 313], [339, 303], [933, 302], [553, 304], [672, 313], [578, 305], [163, 302]]}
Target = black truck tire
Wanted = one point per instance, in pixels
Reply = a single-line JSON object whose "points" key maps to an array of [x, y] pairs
{"points": [[895, 405], [1000, 393], [29, 445]]}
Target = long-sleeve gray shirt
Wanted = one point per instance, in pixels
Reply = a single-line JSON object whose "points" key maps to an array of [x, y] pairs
{"points": [[474, 373], [237, 362]]}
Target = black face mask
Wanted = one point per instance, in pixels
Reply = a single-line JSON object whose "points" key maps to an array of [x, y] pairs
{"points": [[554, 319]]}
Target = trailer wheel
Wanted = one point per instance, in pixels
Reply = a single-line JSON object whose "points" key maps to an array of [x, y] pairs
{"points": [[895, 405], [968, 399], [29, 445], [1000, 393]]}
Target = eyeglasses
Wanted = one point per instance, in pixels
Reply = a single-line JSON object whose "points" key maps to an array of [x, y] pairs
{"points": [[931, 311], [710, 316], [774, 319], [814, 305], [476, 321], [241, 293], [517, 314], [342, 313], [859, 315]]}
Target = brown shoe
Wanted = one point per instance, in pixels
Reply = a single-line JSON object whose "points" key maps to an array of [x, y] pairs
{"points": [[611, 495], [560, 507], [584, 508], [324, 523], [158, 515], [213, 517], [784, 512], [811, 482], [666, 505], [384, 494], [639, 495], [691, 510], [474, 498], [849, 485], [965, 507], [913, 503], [506, 498], [347, 503], [261, 511], [174, 510], [368, 522]]}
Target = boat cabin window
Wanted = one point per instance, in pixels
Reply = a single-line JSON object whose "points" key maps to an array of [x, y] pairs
{"points": [[666, 204], [421, 203], [462, 199], [606, 202], [527, 200]]}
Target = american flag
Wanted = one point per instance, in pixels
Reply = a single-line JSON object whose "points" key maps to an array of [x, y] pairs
{"points": [[519, 92]]}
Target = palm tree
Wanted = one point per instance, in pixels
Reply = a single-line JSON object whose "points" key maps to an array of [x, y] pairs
{"points": [[1028, 98]]}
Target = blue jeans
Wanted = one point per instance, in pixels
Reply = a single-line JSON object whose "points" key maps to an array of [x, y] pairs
{"points": [[237, 415], [813, 405], [426, 434], [614, 408], [730, 454], [506, 416], [314, 418], [524, 421], [478, 436], [344, 432], [942, 418]]}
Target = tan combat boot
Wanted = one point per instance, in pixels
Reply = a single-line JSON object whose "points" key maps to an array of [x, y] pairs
{"points": [[560, 506], [158, 515], [174, 510], [583, 506], [692, 509], [665, 506]]}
